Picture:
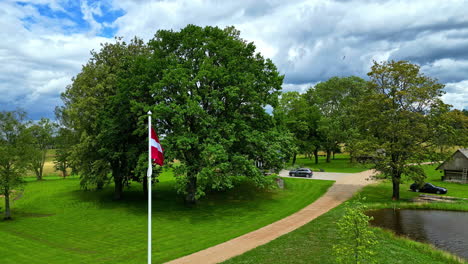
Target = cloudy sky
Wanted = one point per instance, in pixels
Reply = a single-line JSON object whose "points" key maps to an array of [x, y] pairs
{"points": [[44, 43]]}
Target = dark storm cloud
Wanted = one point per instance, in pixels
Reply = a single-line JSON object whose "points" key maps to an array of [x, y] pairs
{"points": [[427, 51]]}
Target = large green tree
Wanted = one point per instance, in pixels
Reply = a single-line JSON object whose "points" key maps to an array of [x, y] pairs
{"points": [[97, 106], [209, 104], [42, 140], [15, 144], [398, 117]]}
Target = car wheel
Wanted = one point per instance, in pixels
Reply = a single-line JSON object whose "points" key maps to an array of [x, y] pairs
{"points": [[417, 190], [438, 192]]}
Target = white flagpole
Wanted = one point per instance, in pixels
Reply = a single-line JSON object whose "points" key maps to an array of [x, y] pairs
{"points": [[150, 172]]}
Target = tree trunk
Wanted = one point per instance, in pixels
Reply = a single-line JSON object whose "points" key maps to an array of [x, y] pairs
{"points": [[316, 155], [352, 159], [118, 182], [328, 155], [64, 172], [191, 189], [145, 186], [41, 170], [38, 174], [100, 185], [294, 158], [333, 155], [7, 205], [396, 188]]}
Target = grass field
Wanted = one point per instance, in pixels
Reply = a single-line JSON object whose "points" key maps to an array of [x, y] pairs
{"points": [[313, 242], [56, 222], [339, 164]]}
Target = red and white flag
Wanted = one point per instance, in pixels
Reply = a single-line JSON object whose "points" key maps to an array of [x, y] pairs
{"points": [[156, 149]]}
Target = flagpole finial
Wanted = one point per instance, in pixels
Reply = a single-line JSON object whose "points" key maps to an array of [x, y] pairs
{"points": [[149, 113]]}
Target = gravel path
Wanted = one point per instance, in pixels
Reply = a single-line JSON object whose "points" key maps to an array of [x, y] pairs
{"points": [[345, 186]]}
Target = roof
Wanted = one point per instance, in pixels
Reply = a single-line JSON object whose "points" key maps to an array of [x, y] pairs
{"points": [[463, 151]]}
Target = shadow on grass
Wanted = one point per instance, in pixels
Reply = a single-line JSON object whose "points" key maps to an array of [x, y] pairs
{"points": [[170, 204]]}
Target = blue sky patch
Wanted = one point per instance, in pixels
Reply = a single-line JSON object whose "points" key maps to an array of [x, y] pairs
{"points": [[73, 13]]}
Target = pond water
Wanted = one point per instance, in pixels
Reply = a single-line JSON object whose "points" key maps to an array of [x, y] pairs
{"points": [[447, 230]]}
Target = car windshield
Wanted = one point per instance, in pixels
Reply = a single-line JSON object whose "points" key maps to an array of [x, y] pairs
{"points": [[430, 185], [303, 169]]}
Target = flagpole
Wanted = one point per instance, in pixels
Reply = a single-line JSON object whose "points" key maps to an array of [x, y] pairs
{"points": [[150, 172]]}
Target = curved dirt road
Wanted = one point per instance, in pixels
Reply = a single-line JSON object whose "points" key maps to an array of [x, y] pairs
{"points": [[343, 189]]}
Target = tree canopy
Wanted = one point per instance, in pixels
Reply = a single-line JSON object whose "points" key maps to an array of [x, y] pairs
{"points": [[335, 99], [208, 90], [209, 103], [97, 106], [398, 117]]}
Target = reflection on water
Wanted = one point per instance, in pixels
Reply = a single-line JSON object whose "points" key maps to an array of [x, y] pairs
{"points": [[444, 229]]}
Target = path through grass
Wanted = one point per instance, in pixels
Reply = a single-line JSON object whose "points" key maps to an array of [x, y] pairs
{"points": [[313, 242]]}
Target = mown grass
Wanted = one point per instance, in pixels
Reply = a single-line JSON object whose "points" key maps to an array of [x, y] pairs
{"points": [[341, 163], [313, 242], [56, 222]]}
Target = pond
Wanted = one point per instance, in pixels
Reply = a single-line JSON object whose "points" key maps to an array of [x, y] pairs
{"points": [[447, 230]]}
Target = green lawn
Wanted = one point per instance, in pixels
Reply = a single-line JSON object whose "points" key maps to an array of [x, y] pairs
{"points": [[339, 164], [56, 222], [379, 195], [313, 242]]}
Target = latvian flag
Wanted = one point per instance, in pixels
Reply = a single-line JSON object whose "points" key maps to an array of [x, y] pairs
{"points": [[156, 149]]}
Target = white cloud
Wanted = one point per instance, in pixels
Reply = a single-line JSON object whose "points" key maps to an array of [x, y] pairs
{"points": [[309, 41], [39, 62], [457, 96]]}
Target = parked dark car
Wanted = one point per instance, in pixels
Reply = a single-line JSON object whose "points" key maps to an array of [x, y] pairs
{"points": [[428, 188], [302, 172]]}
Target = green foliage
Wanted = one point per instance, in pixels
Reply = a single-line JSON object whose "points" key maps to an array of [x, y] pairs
{"points": [[97, 107], [15, 142], [335, 99], [209, 96], [295, 114], [399, 116], [356, 239]]}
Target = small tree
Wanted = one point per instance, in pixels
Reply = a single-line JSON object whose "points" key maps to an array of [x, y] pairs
{"points": [[41, 134], [335, 98], [14, 143], [356, 238], [64, 141]]}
